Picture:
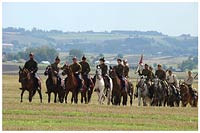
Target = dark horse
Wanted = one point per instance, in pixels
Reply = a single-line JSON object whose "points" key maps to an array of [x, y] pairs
{"points": [[159, 93], [173, 96], [117, 91], [71, 84], [87, 91], [52, 85], [28, 83], [186, 96]]}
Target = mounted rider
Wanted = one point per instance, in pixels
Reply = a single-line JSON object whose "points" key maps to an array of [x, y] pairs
{"points": [[126, 68], [189, 81], [119, 69], [161, 74], [172, 81], [55, 67], [85, 71], [104, 69], [32, 66], [145, 72], [76, 70]]}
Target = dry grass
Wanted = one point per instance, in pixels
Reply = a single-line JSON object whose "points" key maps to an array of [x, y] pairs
{"points": [[37, 116]]}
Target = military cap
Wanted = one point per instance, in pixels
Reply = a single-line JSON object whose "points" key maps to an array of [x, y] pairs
{"points": [[74, 58], [83, 58], [31, 54], [119, 59], [102, 59], [57, 58]]}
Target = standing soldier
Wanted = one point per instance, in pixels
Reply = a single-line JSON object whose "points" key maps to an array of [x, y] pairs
{"points": [[76, 69], [120, 73], [32, 66], [126, 68], [85, 71]]}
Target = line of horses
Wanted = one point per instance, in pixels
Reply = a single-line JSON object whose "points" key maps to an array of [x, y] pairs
{"points": [[153, 95]]}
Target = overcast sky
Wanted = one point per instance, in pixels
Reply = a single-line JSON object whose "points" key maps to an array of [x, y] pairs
{"points": [[168, 18]]}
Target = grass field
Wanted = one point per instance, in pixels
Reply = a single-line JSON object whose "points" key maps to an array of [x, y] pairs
{"points": [[44, 116]]}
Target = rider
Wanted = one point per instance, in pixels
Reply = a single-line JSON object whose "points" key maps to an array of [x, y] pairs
{"points": [[104, 69], [32, 67], [152, 76], [120, 72], [55, 68], [172, 80], [126, 68], [145, 72], [85, 71], [161, 74], [189, 81], [76, 69]]}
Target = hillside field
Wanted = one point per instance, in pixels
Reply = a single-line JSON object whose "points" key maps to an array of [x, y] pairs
{"points": [[92, 116]]}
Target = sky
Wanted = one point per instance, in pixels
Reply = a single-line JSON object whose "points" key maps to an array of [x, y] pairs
{"points": [[169, 18]]}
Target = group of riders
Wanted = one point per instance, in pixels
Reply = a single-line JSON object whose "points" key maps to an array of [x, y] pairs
{"points": [[82, 69]]}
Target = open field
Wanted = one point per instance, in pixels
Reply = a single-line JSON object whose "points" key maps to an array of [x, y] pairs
{"points": [[44, 116]]}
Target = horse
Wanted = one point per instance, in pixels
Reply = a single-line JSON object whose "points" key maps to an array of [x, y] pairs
{"points": [[143, 91], [159, 93], [87, 92], [100, 87], [28, 83], [117, 91], [174, 96], [186, 96], [71, 84], [52, 85], [130, 89]]}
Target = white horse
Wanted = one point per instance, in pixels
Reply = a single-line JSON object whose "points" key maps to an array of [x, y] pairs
{"points": [[143, 92], [100, 87]]}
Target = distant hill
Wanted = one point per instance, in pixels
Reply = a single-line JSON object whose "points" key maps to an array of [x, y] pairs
{"points": [[125, 42]]}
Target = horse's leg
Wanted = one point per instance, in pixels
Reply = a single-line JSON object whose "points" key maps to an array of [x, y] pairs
{"points": [[55, 96], [66, 94], [30, 96], [86, 98], [49, 97], [82, 97], [39, 91], [139, 97], [131, 99], [108, 96], [22, 95]]}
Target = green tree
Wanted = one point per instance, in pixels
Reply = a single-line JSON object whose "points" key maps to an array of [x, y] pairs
{"points": [[76, 52]]}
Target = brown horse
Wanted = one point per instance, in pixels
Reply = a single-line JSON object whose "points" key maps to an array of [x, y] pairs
{"points": [[28, 83], [52, 85], [186, 96], [117, 91], [87, 92], [71, 84]]}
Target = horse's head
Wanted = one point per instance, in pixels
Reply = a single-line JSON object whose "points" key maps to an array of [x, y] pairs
{"points": [[141, 81], [98, 72], [24, 74], [66, 70], [112, 72], [48, 70], [156, 82], [184, 89]]}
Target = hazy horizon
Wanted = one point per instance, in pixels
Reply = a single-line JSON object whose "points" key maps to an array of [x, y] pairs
{"points": [[169, 18]]}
